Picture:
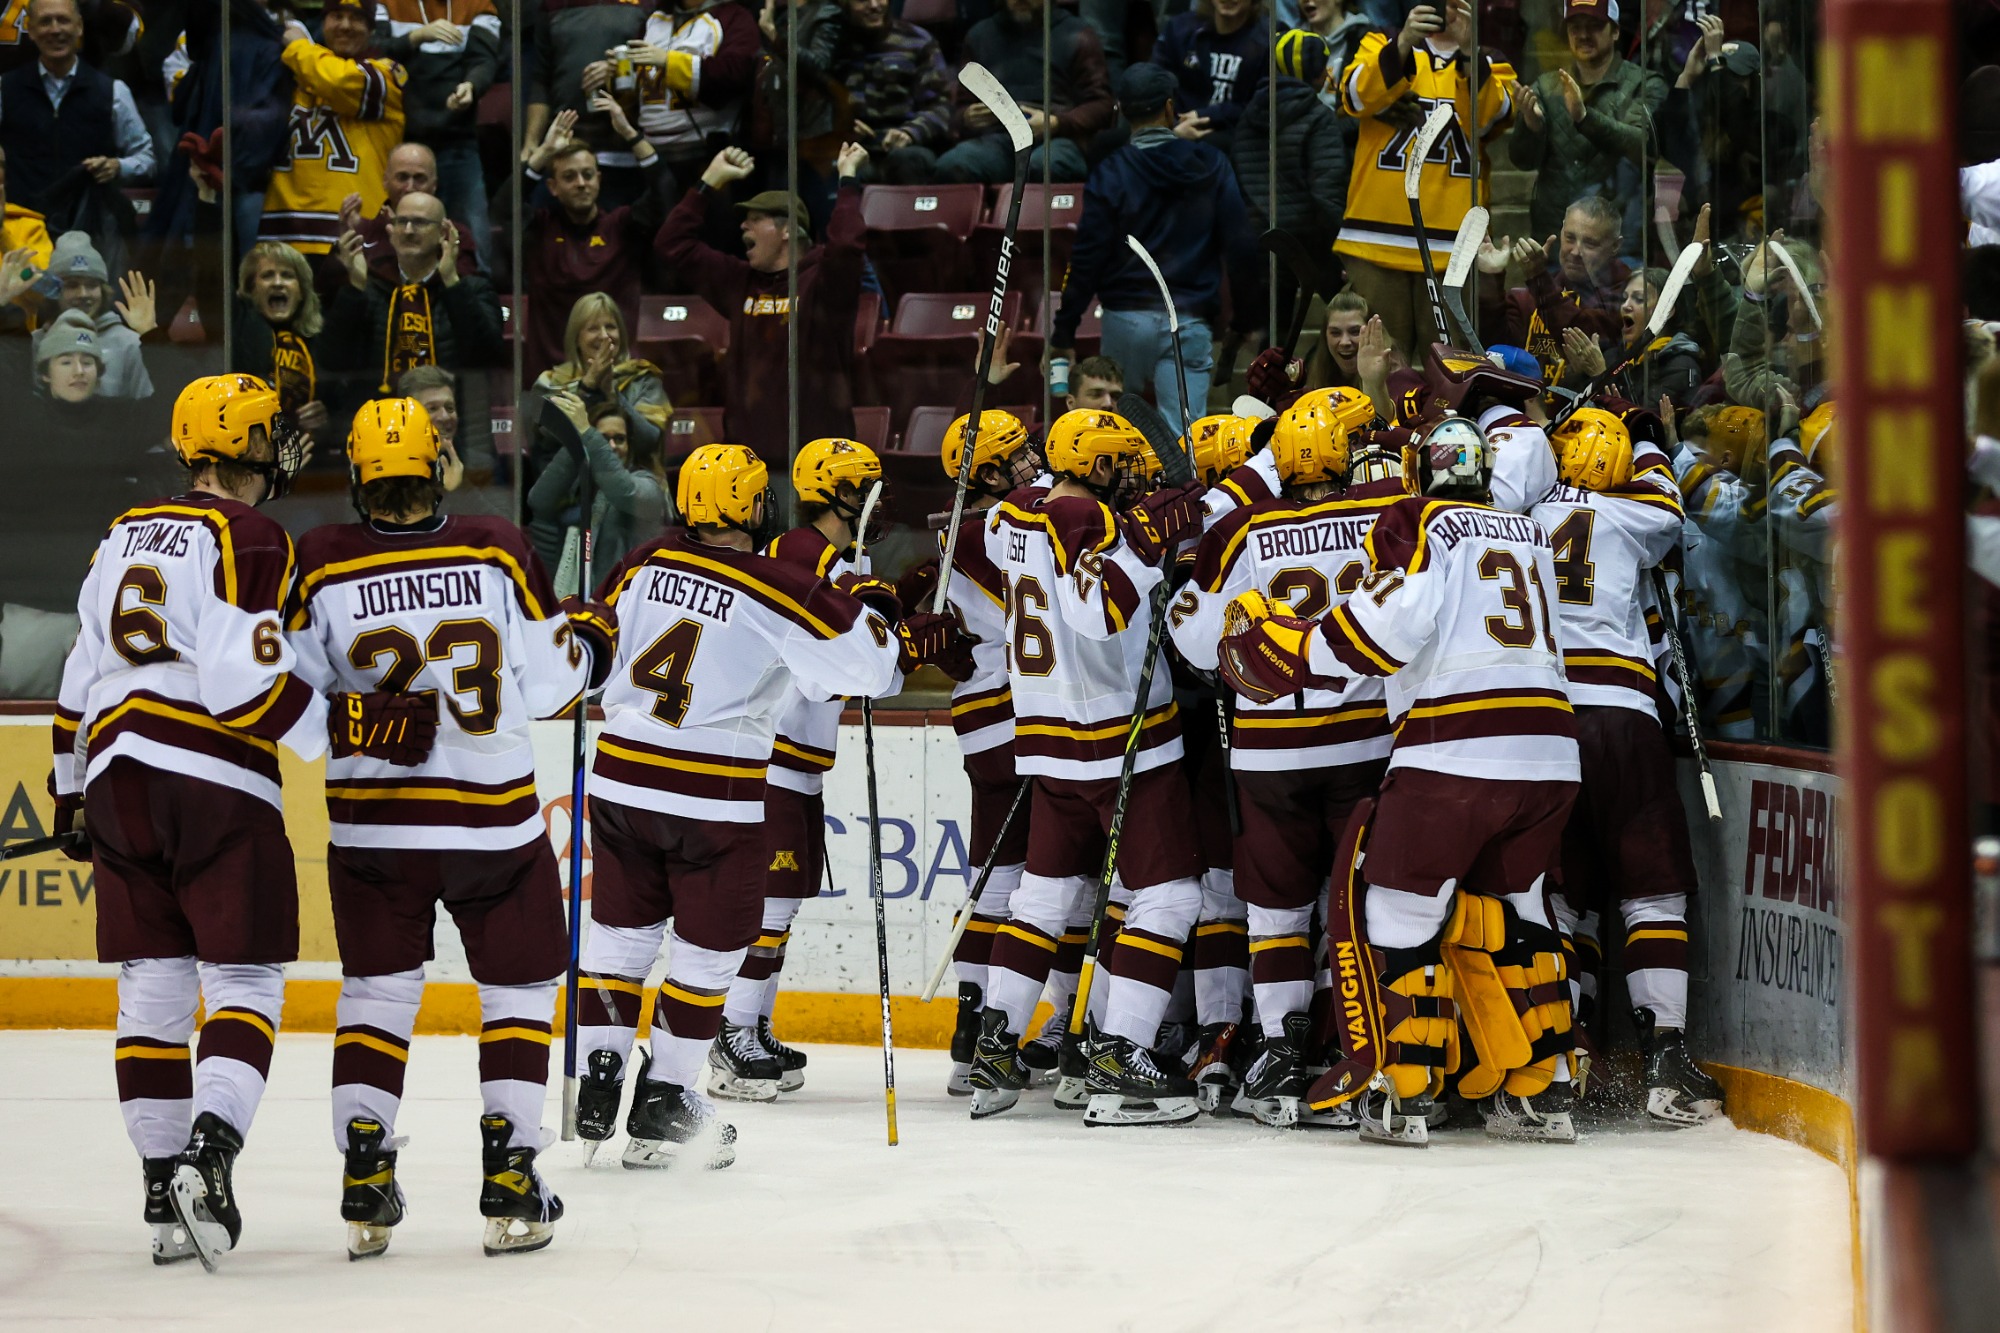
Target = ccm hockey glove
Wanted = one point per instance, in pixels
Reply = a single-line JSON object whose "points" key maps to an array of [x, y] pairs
{"points": [[927, 637], [878, 595], [595, 627], [379, 725], [1154, 524]]}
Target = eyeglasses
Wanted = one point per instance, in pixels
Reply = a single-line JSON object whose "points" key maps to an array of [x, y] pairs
{"points": [[414, 224]]}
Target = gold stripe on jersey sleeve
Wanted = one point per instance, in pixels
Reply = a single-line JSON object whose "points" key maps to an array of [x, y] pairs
{"points": [[1102, 733], [611, 747], [263, 707], [780, 744], [523, 792], [188, 716], [1609, 660], [387, 559], [974, 705], [1486, 705], [1358, 639]]}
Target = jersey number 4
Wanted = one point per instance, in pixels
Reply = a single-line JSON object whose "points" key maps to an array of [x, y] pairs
{"points": [[663, 670]]}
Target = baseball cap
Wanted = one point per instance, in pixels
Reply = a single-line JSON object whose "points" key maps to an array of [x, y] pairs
{"points": [[1741, 59], [1593, 9], [1144, 89], [75, 257], [71, 332], [777, 204]]}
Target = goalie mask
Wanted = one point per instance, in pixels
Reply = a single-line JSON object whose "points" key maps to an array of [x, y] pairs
{"points": [[1452, 458], [1466, 384]]}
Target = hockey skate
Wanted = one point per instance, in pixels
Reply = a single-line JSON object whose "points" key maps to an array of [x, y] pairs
{"points": [[370, 1199], [791, 1060], [598, 1093], [1385, 1118], [520, 1210], [740, 1069], [1043, 1055], [998, 1073], [669, 1123], [1679, 1092], [1543, 1118], [1213, 1070], [1274, 1091], [171, 1241], [1128, 1087], [203, 1191]]}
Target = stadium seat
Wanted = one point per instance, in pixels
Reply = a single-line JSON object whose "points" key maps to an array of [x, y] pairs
{"points": [[685, 337], [186, 327], [502, 419], [927, 354], [871, 427], [1024, 386], [689, 428], [925, 433], [867, 323], [916, 234], [1061, 204]]}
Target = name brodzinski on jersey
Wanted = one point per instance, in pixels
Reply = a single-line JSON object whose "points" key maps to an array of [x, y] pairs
{"points": [[417, 592], [1340, 534]]}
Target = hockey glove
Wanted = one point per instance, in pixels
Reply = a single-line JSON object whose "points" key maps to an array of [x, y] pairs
{"points": [[69, 819], [918, 585], [1152, 526], [1264, 652], [596, 629], [399, 728], [1273, 376], [925, 637], [878, 595]]}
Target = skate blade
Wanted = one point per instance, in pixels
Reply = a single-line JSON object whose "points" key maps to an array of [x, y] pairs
{"points": [[992, 1101], [515, 1235], [1111, 1108], [171, 1244], [1215, 1096], [190, 1199], [793, 1080], [1556, 1128], [1334, 1117], [1412, 1133], [660, 1154], [1070, 1093], [959, 1084], [1664, 1106], [733, 1089], [365, 1241]]}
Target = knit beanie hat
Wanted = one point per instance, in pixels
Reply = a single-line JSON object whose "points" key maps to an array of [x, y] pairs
{"points": [[75, 257], [71, 332]]}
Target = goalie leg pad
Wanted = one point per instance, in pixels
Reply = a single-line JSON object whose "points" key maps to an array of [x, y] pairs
{"points": [[1477, 931], [1356, 1009]]}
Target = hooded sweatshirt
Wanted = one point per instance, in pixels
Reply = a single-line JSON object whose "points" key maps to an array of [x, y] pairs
{"points": [[124, 370], [1217, 73], [1179, 197]]}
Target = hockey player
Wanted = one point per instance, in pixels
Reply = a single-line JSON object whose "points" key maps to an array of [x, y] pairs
{"points": [[1721, 466], [175, 697], [713, 639], [831, 478], [1078, 579], [982, 713], [448, 625], [1805, 513], [1302, 761], [1614, 515], [1452, 918]]}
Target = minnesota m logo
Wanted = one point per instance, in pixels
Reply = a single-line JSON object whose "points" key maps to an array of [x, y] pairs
{"points": [[785, 861], [316, 134]]}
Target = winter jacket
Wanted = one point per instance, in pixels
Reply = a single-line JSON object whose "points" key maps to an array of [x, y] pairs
{"points": [[1079, 83], [1312, 164], [437, 68], [635, 386], [1576, 158], [1179, 197], [464, 333], [898, 81], [124, 368], [713, 52], [1218, 74], [628, 507]]}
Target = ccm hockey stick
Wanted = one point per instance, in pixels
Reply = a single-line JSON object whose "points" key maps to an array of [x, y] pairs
{"points": [[875, 838], [986, 90], [964, 917], [1465, 250], [1663, 310], [55, 842], [1413, 188], [557, 426], [1670, 620], [1179, 471]]}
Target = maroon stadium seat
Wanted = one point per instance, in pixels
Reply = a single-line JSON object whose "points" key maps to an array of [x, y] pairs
{"points": [[501, 418], [1063, 205], [927, 354], [867, 323], [689, 428], [685, 337], [925, 433], [186, 326], [871, 427], [916, 234]]}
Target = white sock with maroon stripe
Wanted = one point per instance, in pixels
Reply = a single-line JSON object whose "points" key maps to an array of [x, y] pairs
{"points": [[1024, 949], [1656, 948], [975, 946], [1221, 960], [371, 1048], [1147, 958], [1281, 964], [611, 988], [156, 1002], [516, 1028], [244, 1001], [688, 1011], [755, 989]]}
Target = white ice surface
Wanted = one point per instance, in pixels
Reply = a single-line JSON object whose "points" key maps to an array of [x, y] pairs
{"points": [[1025, 1223]]}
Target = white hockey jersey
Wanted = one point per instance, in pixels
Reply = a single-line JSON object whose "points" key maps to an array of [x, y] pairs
{"points": [[1309, 557], [1455, 611], [809, 724], [180, 661], [982, 705], [1603, 545], [1078, 616], [712, 643], [460, 608]]}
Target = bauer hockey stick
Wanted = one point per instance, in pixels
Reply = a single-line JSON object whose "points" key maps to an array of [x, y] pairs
{"points": [[1179, 471], [986, 90], [558, 427], [1464, 251], [1413, 188], [964, 917], [875, 841], [1670, 621]]}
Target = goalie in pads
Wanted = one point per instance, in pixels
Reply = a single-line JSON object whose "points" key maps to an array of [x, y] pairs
{"points": [[1450, 924]]}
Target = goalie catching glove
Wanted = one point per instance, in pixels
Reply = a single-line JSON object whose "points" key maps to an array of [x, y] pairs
{"points": [[1153, 525], [1265, 653], [399, 728]]}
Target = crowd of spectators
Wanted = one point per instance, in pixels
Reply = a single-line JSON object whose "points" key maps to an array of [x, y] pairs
{"points": [[342, 198]]}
